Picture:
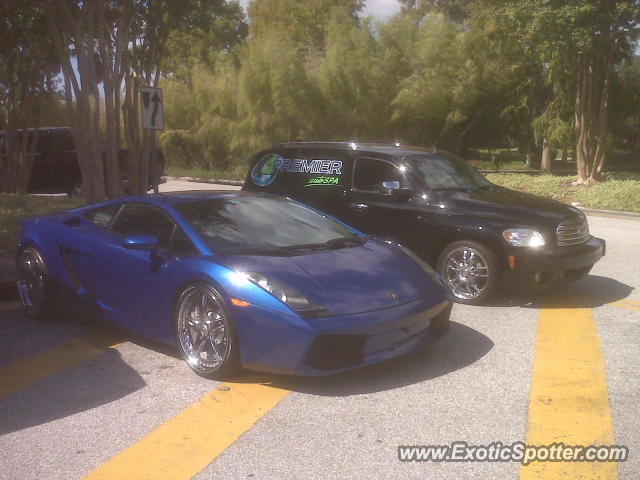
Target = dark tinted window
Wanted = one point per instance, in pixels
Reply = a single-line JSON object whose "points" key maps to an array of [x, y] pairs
{"points": [[259, 224], [180, 243], [137, 218], [370, 173], [102, 216], [446, 171], [61, 141]]}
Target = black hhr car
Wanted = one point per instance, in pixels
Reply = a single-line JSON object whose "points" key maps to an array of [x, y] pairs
{"points": [[477, 235]]}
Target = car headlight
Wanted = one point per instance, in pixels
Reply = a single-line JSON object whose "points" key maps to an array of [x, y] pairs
{"points": [[523, 237], [289, 296]]}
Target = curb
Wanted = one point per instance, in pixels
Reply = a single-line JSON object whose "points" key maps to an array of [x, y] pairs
{"points": [[221, 181], [610, 213]]}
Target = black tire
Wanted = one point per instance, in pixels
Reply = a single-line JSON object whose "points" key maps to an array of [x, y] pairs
{"points": [[33, 283], [210, 333], [440, 323], [470, 286]]}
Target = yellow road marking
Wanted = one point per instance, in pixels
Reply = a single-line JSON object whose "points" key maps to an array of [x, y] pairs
{"points": [[186, 444], [629, 301], [569, 401], [628, 304], [8, 305], [19, 375]]}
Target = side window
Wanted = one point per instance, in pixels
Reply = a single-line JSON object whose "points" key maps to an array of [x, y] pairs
{"points": [[102, 216], [180, 243], [61, 141], [369, 174], [138, 218]]}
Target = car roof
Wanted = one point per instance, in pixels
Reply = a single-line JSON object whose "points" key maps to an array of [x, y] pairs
{"points": [[172, 198], [384, 148]]}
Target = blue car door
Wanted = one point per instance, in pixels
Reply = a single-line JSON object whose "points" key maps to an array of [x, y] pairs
{"points": [[135, 287]]}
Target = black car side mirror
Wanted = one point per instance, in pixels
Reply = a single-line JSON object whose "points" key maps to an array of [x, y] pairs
{"points": [[393, 188]]}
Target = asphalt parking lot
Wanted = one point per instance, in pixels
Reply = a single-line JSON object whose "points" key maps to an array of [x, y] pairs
{"points": [[82, 400]]}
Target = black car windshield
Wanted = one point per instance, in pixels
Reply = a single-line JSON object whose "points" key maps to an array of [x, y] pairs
{"points": [[262, 225], [443, 171]]}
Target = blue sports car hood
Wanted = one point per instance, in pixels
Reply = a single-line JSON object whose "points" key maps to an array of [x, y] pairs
{"points": [[346, 281]]}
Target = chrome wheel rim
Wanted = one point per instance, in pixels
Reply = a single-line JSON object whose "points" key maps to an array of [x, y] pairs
{"points": [[203, 329], [31, 273], [466, 272]]}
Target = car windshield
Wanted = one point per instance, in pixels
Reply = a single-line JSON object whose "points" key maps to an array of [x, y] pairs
{"points": [[444, 171], [267, 226]]}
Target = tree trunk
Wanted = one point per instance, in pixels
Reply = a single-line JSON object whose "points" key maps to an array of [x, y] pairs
{"points": [[80, 32], [548, 154]]}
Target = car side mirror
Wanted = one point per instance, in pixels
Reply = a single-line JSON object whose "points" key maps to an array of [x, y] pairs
{"points": [[392, 187], [142, 242]]}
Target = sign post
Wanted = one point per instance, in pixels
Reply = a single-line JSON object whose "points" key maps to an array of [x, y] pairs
{"points": [[152, 120]]}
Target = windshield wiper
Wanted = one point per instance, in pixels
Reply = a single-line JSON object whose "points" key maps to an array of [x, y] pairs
{"points": [[275, 251], [457, 189], [333, 244]]}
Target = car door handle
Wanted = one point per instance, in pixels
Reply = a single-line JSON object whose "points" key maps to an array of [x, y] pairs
{"points": [[359, 207]]}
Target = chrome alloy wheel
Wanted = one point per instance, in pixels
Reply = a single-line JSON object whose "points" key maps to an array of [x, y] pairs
{"points": [[203, 329], [466, 272], [31, 278]]}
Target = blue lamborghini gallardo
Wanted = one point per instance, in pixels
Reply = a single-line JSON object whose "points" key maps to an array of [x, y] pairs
{"points": [[235, 280]]}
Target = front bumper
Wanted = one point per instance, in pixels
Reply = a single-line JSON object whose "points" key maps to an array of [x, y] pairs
{"points": [[538, 270], [276, 343]]}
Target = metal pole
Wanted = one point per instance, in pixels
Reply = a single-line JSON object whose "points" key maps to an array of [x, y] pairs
{"points": [[154, 162]]}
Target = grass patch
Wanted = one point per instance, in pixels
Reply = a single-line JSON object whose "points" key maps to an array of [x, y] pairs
{"points": [[15, 208], [618, 191], [238, 172]]}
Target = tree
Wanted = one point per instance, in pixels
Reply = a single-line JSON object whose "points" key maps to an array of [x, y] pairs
{"points": [[75, 28], [303, 24], [580, 42], [27, 71], [456, 10]]}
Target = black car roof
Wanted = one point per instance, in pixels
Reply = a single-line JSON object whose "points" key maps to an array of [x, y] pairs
{"points": [[384, 148]]}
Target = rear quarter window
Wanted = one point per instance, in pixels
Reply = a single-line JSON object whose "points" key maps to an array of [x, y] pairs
{"points": [[102, 216]]}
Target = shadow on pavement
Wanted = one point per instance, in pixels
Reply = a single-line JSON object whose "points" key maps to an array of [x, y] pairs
{"points": [[589, 292], [89, 384], [459, 347]]}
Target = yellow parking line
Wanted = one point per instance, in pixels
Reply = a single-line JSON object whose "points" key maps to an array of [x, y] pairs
{"points": [[19, 375], [629, 305], [186, 444], [8, 305], [569, 401], [631, 302]]}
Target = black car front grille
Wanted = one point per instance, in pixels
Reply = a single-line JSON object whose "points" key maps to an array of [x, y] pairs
{"points": [[574, 231]]}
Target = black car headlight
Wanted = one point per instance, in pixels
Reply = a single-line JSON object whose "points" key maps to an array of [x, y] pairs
{"points": [[289, 296], [523, 237]]}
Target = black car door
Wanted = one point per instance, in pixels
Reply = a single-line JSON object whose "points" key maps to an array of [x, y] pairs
{"points": [[371, 208], [322, 178]]}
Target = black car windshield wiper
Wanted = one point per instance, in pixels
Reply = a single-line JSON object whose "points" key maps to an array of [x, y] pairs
{"points": [[462, 189]]}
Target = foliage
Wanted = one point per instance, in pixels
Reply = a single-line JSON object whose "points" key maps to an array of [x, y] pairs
{"points": [[15, 208], [27, 70], [619, 191]]}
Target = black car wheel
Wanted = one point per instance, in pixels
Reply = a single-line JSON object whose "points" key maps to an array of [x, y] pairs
{"points": [[469, 270], [33, 282], [205, 333]]}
